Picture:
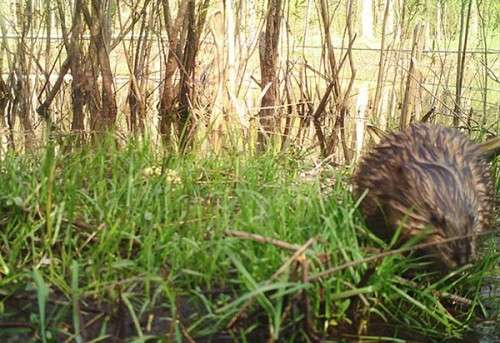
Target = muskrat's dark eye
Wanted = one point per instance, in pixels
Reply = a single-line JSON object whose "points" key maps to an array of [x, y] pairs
{"points": [[434, 220], [438, 221], [471, 218]]}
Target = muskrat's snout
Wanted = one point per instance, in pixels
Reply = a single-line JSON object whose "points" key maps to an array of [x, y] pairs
{"points": [[464, 251], [455, 253]]}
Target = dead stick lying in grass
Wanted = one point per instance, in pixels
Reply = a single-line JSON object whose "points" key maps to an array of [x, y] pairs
{"points": [[370, 259], [390, 253], [299, 252], [261, 239]]}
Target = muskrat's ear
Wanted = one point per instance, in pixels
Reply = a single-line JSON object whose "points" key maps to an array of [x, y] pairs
{"points": [[490, 149]]}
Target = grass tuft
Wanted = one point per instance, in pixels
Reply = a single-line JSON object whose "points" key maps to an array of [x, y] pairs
{"points": [[132, 243]]}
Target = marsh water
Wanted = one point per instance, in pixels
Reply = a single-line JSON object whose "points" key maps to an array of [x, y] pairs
{"points": [[489, 331], [484, 331]]}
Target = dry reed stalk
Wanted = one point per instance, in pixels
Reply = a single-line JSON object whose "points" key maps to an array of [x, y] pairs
{"points": [[408, 105], [462, 48], [137, 67], [381, 63], [219, 107], [340, 95]]}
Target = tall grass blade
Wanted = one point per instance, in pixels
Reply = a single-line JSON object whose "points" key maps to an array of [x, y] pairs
{"points": [[42, 293]]}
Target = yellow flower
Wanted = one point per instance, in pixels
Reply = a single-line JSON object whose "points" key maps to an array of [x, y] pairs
{"points": [[151, 171], [172, 176]]}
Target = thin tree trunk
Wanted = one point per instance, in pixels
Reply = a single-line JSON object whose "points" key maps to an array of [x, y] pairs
{"points": [[185, 124], [138, 70], [268, 52], [79, 83], [176, 38], [98, 24], [4, 98], [6, 94], [23, 89], [195, 22]]}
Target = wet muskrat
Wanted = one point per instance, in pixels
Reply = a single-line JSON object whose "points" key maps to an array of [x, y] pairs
{"points": [[428, 177]]}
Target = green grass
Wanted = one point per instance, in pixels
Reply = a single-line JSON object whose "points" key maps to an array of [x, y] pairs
{"points": [[128, 235]]}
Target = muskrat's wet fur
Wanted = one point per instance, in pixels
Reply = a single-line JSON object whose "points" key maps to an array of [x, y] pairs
{"points": [[428, 177]]}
